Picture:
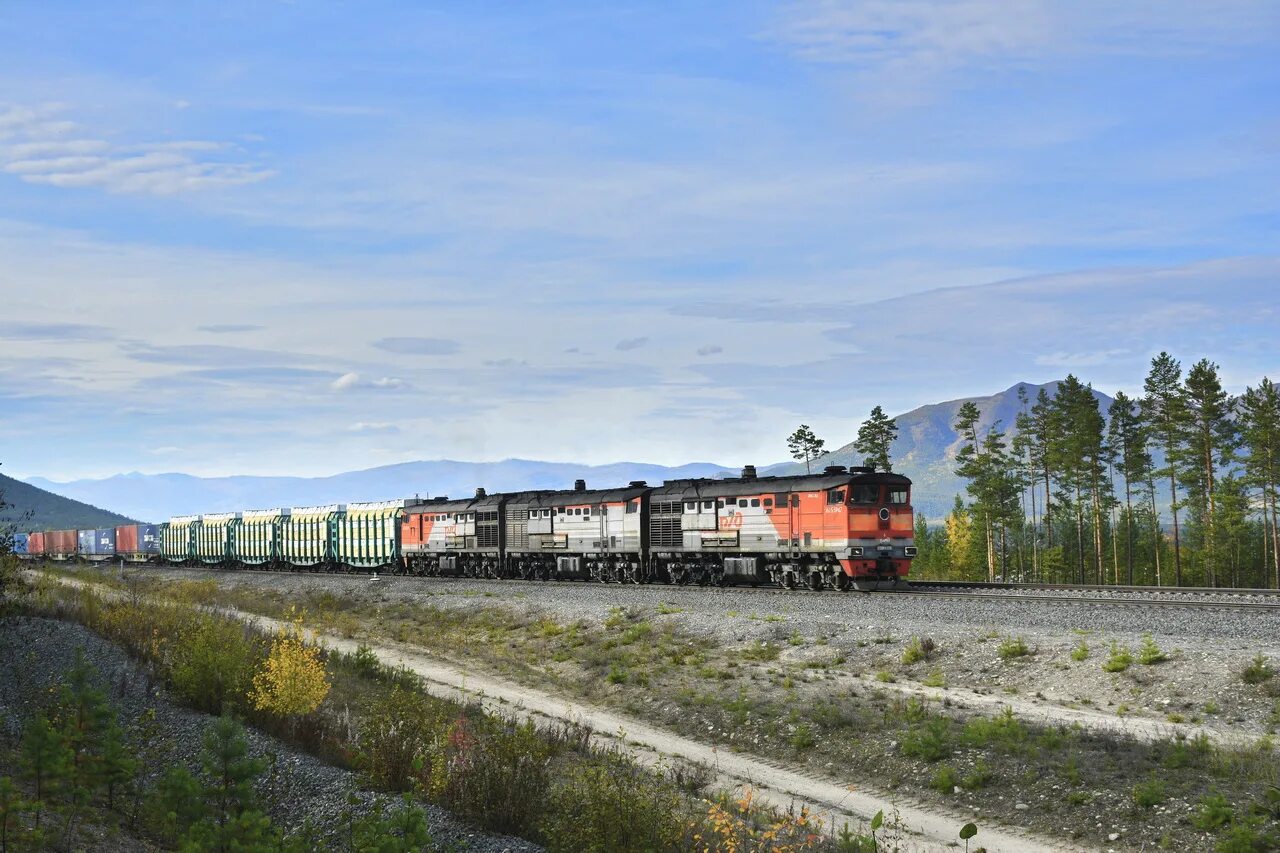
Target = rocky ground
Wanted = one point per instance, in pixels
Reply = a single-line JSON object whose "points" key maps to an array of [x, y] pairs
{"points": [[1200, 681], [36, 653]]}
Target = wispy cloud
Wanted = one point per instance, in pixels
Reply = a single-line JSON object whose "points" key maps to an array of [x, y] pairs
{"points": [[417, 346], [712, 349], [228, 328], [54, 331], [630, 344], [42, 153]]}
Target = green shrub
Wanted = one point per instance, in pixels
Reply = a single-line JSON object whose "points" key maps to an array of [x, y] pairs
{"points": [[935, 678], [1149, 653], [496, 773], [1013, 647], [944, 780], [1119, 660], [402, 830], [1004, 731], [1149, 793], [612, 806], [1257, 671], [885, 676], [761, 652], [803, 738], [1080, 652], [617, 674], [979, 777], [1214, 812], [920, 648], [396, 738], [212, 663], [929, 740]]}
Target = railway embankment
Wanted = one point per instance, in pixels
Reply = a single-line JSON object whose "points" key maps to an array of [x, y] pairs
{"points": [[1005, 713]]}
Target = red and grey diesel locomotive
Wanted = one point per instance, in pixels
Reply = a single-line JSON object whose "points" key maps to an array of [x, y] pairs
{"points": [[838, 529], [841, 529]]}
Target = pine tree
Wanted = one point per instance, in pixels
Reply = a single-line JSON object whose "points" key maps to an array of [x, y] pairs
{"points": [[12, 807], [1128, 439], [875, 437], [993, 482], [46, 759], [1043, 429], [923, 564], [1081, 458], [805, 446], [1209, 444], [1260, 431], [1164, 410]]}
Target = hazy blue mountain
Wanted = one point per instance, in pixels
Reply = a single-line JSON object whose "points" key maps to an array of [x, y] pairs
{"points": [[36, 509], [926, 447], [156, 497]]}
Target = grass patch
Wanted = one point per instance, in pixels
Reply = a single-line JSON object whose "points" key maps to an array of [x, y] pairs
{"points": [[1257, 671], [1119, 660], [1012, 647]]}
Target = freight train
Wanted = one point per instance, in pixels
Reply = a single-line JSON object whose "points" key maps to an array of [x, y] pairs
{"points": [[841, 529]]}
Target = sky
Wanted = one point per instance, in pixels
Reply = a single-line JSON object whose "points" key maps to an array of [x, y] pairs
{"points": [[303, 238]]}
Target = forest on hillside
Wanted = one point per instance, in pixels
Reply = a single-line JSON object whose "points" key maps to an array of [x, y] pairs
{"points": [[1074, 495]]}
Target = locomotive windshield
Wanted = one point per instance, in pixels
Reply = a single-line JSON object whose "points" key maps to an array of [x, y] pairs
{"points": [[897, 495], [864, 494]]}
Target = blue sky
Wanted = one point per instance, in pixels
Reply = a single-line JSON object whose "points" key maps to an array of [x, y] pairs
{"points": [[309, 237]]}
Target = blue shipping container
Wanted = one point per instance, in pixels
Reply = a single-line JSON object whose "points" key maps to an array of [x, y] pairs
{"points": [[98, 543], [20, 543], [149, 538]]}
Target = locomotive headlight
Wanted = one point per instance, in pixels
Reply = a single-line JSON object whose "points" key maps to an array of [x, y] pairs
{"points": [[855, 552], [909, 551]]}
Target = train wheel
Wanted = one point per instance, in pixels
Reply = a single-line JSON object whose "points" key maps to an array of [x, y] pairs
{"points": [[843, 583], [815, 581]]}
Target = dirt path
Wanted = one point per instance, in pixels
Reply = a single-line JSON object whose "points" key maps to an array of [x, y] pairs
{"points": [[922, 831]]}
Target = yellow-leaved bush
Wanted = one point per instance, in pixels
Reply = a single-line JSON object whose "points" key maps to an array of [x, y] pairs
{"points": [[293, 679]]}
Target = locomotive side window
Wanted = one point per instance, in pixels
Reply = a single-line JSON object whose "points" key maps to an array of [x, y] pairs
{"points": [[633, 506], [708, 504], [691, 507], [897, 496], [755, 502], [768, 501], [742, 501], [864, 494], [836, 497]]}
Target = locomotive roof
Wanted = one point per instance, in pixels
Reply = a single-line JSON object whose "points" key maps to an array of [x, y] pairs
{"points": [[739, 486], [574, 497]]}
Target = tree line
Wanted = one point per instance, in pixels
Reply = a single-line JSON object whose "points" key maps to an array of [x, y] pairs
{"points": [[1175, 487]]}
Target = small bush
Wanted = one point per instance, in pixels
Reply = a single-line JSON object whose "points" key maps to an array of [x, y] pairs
{"points": [[1013, 647], [609, 806], [1119, 660], [1214, 813], [935, 678], [1257, 671], [920, 648], [885, 676], [1149, 653], [495, 772], [944, 780], [212, 663], [761, 652], [1080, 652], [617, 674], [980, 777], [803, 738], [930, 740], [1148, 794], [395, 740]]}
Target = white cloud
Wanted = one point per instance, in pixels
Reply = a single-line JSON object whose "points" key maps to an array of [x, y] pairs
{"points": [[908, 44], [352, 381], [41, 156], [1076, 360], [373, 428]]}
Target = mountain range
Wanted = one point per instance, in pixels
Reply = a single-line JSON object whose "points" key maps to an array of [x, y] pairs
{"points": [[924, 451]]}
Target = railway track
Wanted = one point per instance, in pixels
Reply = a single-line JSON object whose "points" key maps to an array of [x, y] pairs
{"points": [[1247, 601]]}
